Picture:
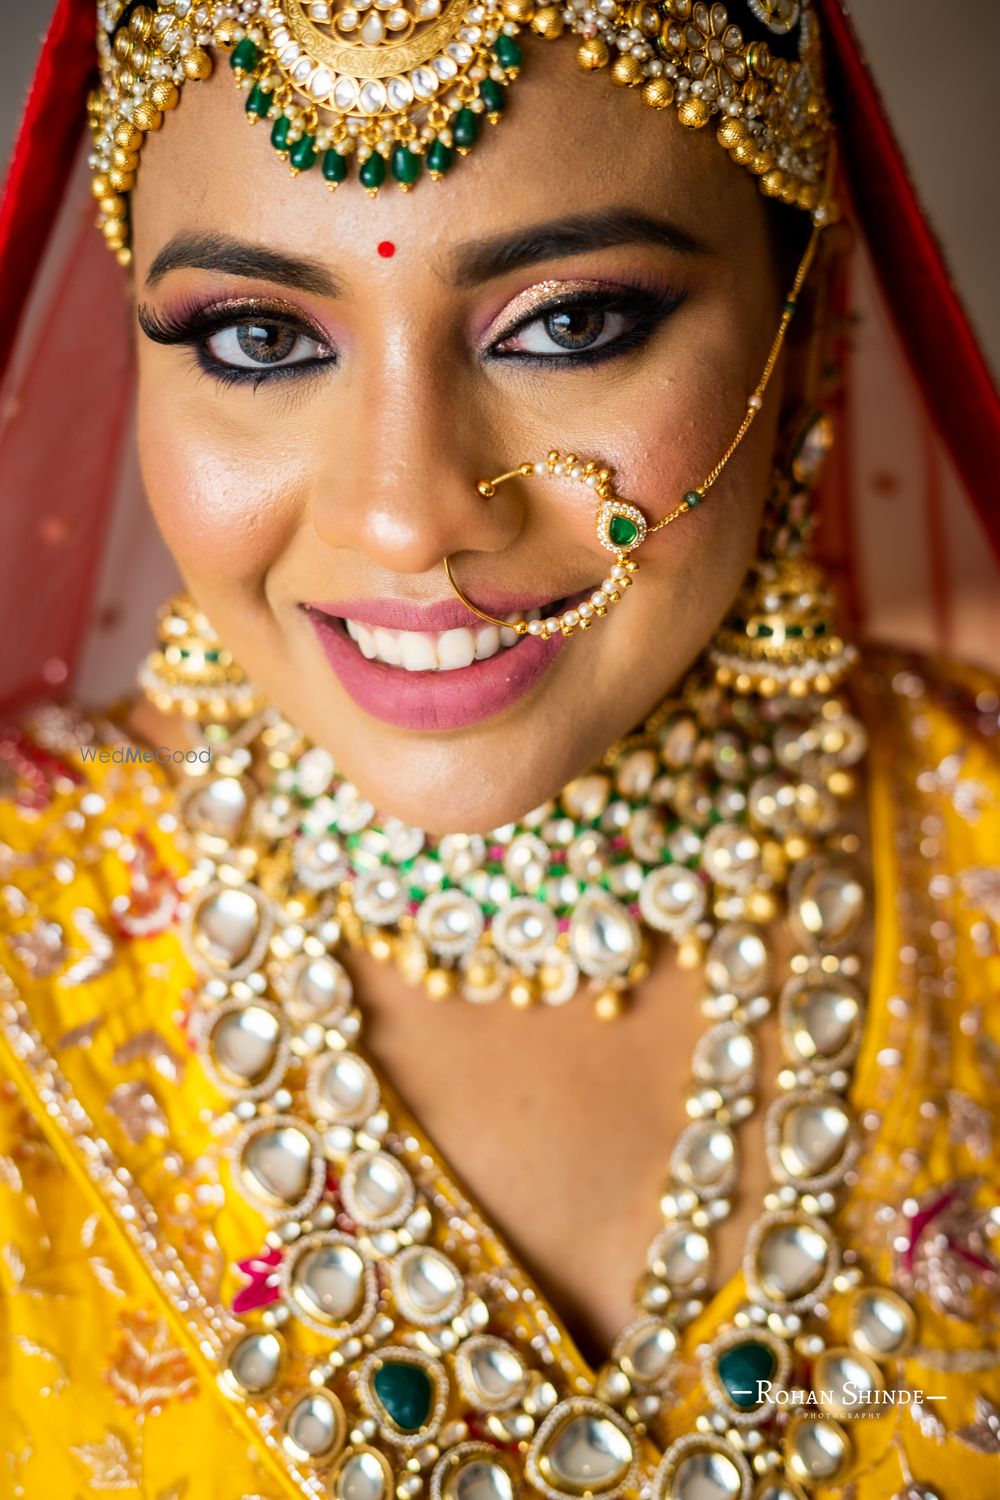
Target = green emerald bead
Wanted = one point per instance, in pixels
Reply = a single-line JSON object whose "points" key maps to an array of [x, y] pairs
{"points": [[694, 497], [334, 166], [465, 129], [508, 53], [405, 1392], [492, 95], [245, 56], [279, 133], [439, 159], [405, 165], [622, 531], [740, 1368], [258, 103], [372, 173], [303, 154]]}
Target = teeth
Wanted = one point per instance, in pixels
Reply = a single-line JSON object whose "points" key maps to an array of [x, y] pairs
{"points": [[433, 651], [456, 648], [488, 641], [418, 651], [387, 646]]}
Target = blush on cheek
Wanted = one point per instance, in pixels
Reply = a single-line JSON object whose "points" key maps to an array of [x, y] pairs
{"points": [[223, 517]]}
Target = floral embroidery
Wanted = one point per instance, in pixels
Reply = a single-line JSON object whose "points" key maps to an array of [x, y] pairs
{"points": [[151, 1044], [148, 1370], [80, 1036], [942, 1249], [41, 949], [138, 1110], [100, 950], [152, 904], [984, 1433], [970, 1125], [966, 796], [60, 1380], [111, 1463], [981, 889], [30, 775]]}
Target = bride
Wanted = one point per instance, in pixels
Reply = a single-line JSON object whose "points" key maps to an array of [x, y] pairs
{"points": [[504, 1006]]}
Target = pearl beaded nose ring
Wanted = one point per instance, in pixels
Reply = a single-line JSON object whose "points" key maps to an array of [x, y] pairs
{"points": [[622, 526]]}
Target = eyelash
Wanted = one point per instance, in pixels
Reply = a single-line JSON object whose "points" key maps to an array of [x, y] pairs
{"points": [[195, 328], [648, 307]]}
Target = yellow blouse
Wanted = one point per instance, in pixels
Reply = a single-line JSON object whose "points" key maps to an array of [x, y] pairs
{"points": [[121, 1241]]}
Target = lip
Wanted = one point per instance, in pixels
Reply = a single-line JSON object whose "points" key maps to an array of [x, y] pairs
{"points": [[429, 701]]}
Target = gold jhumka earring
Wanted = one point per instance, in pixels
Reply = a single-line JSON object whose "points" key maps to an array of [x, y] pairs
{"points": [[192, 673], [621, 525], [781, 635]]}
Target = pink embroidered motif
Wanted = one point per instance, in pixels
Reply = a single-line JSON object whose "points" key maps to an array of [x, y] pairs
{"points": [[264, 1286], [151, 905], [942, 1248], [33, 774]]}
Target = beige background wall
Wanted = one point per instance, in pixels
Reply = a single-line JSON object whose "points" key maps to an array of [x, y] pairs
{"points": [[938, 77]]}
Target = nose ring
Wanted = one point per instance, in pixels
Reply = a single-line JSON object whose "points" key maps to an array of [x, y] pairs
{"points": [[621, 529]]}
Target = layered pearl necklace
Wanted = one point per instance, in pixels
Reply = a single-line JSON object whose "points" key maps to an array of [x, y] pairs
{"points": [[697, 828]]}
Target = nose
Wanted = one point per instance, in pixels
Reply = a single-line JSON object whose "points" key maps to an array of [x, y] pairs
{"points": [[399, 484]]}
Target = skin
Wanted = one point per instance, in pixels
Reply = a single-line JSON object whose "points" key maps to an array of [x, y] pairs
{"points": [[357, 481], [266, 501]]}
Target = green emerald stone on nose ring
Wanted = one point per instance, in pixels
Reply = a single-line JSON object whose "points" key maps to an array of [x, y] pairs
{"points": [[622, 530], [621, 527]]}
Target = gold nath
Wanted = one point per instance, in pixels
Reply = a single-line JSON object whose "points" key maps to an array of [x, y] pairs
{"points": [[396, 89]]}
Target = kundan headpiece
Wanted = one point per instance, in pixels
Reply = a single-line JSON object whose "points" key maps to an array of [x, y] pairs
{"points": [[401, 86]]}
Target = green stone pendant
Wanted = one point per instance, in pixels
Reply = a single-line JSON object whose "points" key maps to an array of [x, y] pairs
{"points": [[738, 1365], [372, 173], [741, 1367], [302, 156], [405, 1392]]}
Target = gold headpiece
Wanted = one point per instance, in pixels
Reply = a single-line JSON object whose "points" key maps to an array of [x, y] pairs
{"points": [[403, 85]]}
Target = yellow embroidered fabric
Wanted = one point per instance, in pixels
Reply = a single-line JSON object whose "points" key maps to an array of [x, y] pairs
{"points": [[120, 1243]]}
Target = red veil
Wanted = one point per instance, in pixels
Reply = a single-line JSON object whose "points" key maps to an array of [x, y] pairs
{"points": [[911, 509]]}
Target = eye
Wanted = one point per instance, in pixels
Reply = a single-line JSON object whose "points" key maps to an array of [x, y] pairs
{"points": [[567, 330], [584, 329], [262, 342]]}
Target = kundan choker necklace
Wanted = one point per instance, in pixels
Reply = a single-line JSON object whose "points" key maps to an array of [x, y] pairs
{"points": [[727, 805]]}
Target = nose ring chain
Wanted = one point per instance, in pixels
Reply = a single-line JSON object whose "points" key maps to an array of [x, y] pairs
{"points": [[621, 525]]}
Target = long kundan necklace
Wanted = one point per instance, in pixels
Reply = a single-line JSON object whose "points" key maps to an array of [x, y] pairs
{"points": [[371, 1353]]}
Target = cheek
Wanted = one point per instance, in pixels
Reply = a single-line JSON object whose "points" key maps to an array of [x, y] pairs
{"points": [[226, 495]]}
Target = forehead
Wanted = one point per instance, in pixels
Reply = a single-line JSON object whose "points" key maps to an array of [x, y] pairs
{"points": [[569, 143]]}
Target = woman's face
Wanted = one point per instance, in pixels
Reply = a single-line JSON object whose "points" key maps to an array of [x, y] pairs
{"points": [[324, 379]]}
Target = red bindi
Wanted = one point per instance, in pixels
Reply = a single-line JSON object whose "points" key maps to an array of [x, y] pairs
{"points": [[386, 249]]}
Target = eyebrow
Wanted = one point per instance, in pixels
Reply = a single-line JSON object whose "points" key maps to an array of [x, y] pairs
{"points": [[473, 262], [212, 252], [481, 260]]}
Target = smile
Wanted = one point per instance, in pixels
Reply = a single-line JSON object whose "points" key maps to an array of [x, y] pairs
{"points": [[434, 667]]}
